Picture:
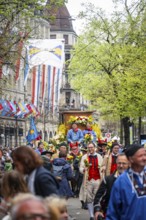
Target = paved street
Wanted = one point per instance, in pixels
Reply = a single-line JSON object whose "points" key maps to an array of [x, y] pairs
{"points": [[75, 211]]}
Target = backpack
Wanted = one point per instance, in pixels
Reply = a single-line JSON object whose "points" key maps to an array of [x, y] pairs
{"points": [[58, 172]]}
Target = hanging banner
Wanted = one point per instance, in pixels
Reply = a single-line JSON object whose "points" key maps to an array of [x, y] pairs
{"points": [[44, 52]]}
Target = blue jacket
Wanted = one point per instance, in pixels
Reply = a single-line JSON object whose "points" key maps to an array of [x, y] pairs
{"points": [[45, 183], [64, 186], [124, 203], [73, 136]]}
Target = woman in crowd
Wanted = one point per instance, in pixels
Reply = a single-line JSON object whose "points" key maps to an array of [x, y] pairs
{"points": [[40, 181], [12, 184]]}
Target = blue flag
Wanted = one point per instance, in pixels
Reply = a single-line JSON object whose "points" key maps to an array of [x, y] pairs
{"points": [[32, 133]]}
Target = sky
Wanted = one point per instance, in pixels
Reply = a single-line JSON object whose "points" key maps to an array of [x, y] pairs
{"points": [[74, 7]]}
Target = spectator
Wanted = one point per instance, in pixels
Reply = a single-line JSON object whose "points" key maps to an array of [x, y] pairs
{"points": [[63, 173], [58, 206], [40, 181], [32, 208]]}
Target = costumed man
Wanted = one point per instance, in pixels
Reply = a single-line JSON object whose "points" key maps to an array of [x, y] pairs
{"points": [[102, 147], [74, 135], [109, 162], [103, 194], [89, 130], [90, 167], [128, 196]]}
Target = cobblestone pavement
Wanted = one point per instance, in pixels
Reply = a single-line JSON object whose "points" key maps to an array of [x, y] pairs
{"points": [[75, 211]]}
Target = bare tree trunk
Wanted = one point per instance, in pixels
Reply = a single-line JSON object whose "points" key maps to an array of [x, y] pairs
{"points": [[139, 129], [121, 131], [126, 130]]}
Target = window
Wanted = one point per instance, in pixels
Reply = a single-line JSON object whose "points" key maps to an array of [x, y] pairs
{"points": [[67, 56], [65, 38], [53, 36]]}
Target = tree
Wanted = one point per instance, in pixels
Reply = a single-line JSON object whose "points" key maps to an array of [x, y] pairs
{"points": [[110, 57], [15, 26]]}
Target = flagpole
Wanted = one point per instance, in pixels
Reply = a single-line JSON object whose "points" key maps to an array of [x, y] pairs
{"points": [[16, 133]]}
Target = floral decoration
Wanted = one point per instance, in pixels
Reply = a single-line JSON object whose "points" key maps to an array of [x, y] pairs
{"points": [[80, 119], [70, 158], [86, 162], [88, 137]]}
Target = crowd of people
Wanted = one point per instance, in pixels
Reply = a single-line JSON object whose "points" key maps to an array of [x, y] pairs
{"points": [[35, 184]]}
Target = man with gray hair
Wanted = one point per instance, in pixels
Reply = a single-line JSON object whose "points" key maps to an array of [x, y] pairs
{"points": [[103, 194], [30, 209]]}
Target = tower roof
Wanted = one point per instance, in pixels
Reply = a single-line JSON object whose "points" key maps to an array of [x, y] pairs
{"points": [[62, 20]]}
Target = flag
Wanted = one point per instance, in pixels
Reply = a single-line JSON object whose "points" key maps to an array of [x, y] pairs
{"points": [[53, 86], [45, 51], [32, 133], [26, 69], [50, 74]]}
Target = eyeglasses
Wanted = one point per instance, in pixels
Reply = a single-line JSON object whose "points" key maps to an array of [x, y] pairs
{"points": [[33, 217], [124, 164]]}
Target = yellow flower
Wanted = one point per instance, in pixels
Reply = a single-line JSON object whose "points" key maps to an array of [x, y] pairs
{"points": [[32, 131]]}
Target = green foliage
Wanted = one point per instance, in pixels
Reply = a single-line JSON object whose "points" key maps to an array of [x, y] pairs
{"points": [[108, 62]]}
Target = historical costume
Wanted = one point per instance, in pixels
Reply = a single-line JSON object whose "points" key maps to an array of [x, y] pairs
{"points": [[109, 162], [74, 135], [128, 198], [90, 167]]}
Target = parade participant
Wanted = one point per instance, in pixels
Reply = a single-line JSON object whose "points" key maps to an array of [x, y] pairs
{"points": [[89, 166], [109, 162], [128, 196], [62, 148], [40, 181], [31, 208], [74, 135], [89, 130], [40, 148], [63, 173], [103, 194], [102, 147]]}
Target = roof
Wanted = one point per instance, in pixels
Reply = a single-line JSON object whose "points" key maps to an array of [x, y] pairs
{"points": [[62, 20]]}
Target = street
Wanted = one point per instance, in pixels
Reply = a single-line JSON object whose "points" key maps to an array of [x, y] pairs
{"points": [[75, 211]]}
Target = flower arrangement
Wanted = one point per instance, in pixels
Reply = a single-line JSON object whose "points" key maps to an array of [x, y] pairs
{"points": [[80, 119], [62, 129], [52, 148], [97, 130], [70, 158], [57, 139], [79, 157], [88, 137], [86, 162]]}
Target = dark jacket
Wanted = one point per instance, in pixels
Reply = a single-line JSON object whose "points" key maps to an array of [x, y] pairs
{"points": [[45, 183], [64, 186], [103, 194]]}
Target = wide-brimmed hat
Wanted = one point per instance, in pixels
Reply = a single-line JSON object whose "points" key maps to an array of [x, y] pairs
{"points": [[47, 152]]}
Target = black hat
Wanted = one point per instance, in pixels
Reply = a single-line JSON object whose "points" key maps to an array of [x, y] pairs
{"points": [[63, 144], [132, 149], [46, 152]]}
